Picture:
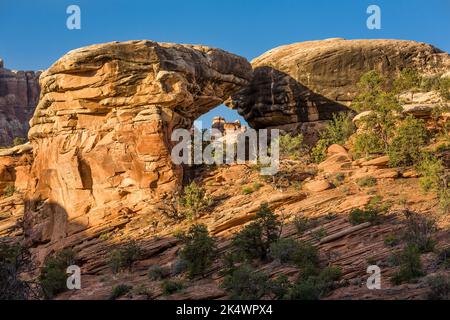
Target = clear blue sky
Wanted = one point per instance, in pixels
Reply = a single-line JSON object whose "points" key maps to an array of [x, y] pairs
{"points": [[33, 33]]}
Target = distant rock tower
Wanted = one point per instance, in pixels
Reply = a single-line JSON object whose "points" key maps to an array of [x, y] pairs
{"points": [[226, 128]]}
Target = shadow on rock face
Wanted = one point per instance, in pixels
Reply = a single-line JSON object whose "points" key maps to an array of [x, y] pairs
{"points": [[274, 98]]}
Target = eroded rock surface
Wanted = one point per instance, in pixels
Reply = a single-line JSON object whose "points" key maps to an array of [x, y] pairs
{"points": [[304, 83], [102, 129], [19, 95]]}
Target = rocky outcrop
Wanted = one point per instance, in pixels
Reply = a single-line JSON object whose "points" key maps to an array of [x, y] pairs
{"points": [[306, 82], [19, 95], [101, 133]]}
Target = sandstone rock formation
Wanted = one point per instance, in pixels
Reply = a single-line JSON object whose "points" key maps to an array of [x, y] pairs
{"points": [[101, 132], [297, 86], [19, 95]]}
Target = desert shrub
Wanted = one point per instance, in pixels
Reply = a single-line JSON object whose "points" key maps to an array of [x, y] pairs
{"points": [[372, 212], [306, 257], [291, 146], [171, 286], [284, 250], [319, 233], [319, 151], [367, 181], [9, 190], [313, 286], [17, 141], [443, 258], [53, 274], [367, 143], [279, 287], [385, 108], [179, 266], [339, 129], [410, 266], [157, 273], [337, 179], [405, 147], [124, 256], [194, 201], [254, 241], [119, 291], [391, 240], [13, 261], [199, 249], [439, 287], [358, 216], [407, 80], [246, 283], [303, 224], [444, 88], [247, 190], [10, 254], [435, 178], [418, 232]]}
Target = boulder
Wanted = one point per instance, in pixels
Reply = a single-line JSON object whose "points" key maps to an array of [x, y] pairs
{"points": [[309, 81], [335, 149], [382, 161], [101, 133], [336, 163], [317, 185]]}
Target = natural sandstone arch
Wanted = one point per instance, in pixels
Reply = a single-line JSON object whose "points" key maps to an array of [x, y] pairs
{"points": [[101, 131]]}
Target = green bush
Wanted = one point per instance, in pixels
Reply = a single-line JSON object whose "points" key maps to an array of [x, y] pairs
{"points": [[124, 257], [439, 287], [319, 151], [157, 273], [53, 276], [372, 212], [314, 286], [443, 258], [444, 88], [410, 137], [367, 143], [171, 286], [199, 249], [435, 178], [358, 216], [408, 80], [391, 240], [18, 141], [254, 241], [418, 232], [291, 146], [245, 283], [10, 254], [303, 224], [9, 190], [13, 260], [306, 256], [279, 287], [179, 267], [339, 129], [380, 123], [367, 181], [410, 266], [284, 250], [119, 291], [194, 201], [247, 190]]}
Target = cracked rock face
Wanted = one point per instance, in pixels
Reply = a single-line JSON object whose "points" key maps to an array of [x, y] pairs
{"points": [[303, 83], [19, 94], [101, 131]]}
